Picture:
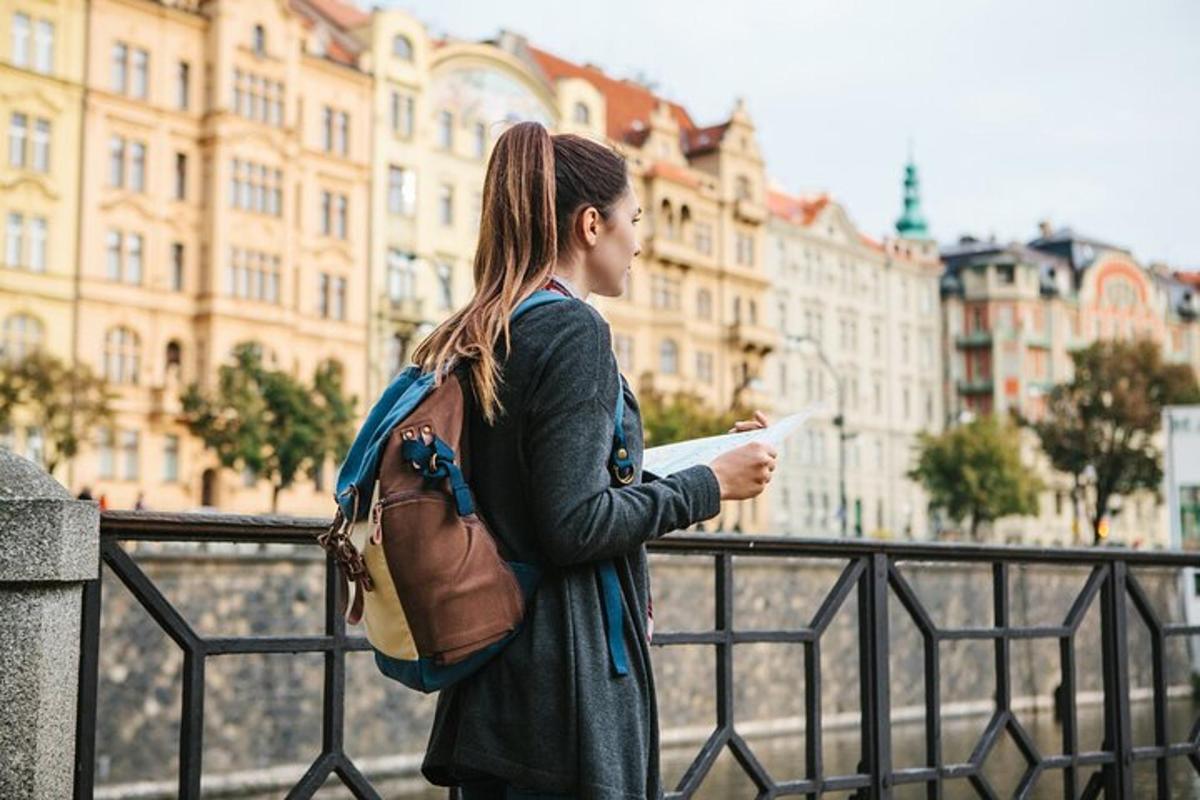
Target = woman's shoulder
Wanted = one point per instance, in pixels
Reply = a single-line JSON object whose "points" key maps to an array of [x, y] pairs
{"points": [[563, 326]]}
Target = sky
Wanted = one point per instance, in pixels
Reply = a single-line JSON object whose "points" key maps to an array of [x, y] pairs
{"points": [[1082, 112]]}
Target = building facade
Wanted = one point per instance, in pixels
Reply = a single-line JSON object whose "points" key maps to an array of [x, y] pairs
{"points": [[225, 180], [859, 320], [1014, 312], [41, 106]]}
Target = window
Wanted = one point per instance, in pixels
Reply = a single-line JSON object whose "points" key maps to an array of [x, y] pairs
{"points": [[104, 448], [582, 114], [445, 276], [402, 191], [623, 347], [177, 276], [129, 455], [18, 134], [183, 89], [20, 40], [339, 298], [170, 462], [401, 277], [745, 249], [340, 227], [668, 357], [133, 258], [116, 161], [446, 204], [120, 64], [445, 130], [704, 367], [1004, 274], [742, 188], [327, 130], [37, 244], [113, 261], [137, 166], [141, 74], [22, 336], [323, 286], [703, 236], [258, 40], [402, 47], [664, 292], [14, 234], [121, 359], [704, 304], [180, 176], [326, 213], [342, 132], [41, 145], [402, 115], [480, 140], [43, 47]]}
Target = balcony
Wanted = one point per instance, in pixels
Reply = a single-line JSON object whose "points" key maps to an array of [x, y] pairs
{"points": [[405, 309], [975, 386], [751, 211], [974, 339], [674, 251], [753, 338]]}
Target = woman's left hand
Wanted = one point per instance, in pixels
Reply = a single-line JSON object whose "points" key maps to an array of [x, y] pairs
{"points": [[759, 421]]}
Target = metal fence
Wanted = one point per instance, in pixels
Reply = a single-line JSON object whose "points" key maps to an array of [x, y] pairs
{"points": [[871, 574]]}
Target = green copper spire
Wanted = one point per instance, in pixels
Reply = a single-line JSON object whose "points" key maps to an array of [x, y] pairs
{"points": [[911, 224]]}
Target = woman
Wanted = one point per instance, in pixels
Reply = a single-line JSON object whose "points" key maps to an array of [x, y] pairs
{"points": [[549, 717]]}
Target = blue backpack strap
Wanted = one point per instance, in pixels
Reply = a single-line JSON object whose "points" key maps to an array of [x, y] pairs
{"points": [[620, 464]]}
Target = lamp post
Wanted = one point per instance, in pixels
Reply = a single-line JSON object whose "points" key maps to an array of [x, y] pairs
{"points": [[839, 421]]}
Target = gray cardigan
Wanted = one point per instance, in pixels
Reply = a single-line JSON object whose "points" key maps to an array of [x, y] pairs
{"points": [[548, 713]]}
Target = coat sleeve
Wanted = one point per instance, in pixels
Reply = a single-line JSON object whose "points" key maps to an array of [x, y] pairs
{"points": [[579, 515]]}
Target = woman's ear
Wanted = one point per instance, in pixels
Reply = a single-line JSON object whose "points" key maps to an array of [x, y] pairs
{"points": [[588, 226]]}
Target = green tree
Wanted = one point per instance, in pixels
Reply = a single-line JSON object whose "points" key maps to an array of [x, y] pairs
{"points": [[680, 417], [68, 403], [1101, 426], [974, 472], [268, 423]]}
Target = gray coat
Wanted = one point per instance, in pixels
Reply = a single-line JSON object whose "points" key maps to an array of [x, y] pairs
{"points": [[548, 713]]}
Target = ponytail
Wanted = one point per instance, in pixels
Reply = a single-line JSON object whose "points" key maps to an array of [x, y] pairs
{"points": [[535, 185]]}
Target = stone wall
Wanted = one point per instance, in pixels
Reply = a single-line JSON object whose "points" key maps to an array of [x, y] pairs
{"points": [[265, 710]]}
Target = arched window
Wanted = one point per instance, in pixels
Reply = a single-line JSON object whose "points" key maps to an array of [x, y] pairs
{"points": [[121, 359], [704, 304], [174, 359], [402, 47], [583, 114], [685, 223], [22, 336], [260, 40], [668, 357], [667, 220]]}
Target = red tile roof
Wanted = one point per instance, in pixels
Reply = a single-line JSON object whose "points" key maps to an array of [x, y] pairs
{"points": [[799, 210], [673, 172], [701, 140], [628, 103], [342, 14], [1190, 278]]}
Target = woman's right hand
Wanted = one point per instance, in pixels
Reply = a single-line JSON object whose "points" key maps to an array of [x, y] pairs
{"points": [[744, 471]]}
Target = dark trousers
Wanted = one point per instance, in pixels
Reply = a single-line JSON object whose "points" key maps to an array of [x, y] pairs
{"points": [[495, 790]]}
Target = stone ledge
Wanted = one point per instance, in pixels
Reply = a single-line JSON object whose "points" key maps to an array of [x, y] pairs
{"points": [[49, 540]]}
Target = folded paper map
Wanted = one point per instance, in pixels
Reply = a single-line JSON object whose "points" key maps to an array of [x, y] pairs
{"points": [[669, 458]]}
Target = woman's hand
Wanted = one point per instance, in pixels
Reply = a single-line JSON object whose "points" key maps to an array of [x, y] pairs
{"points": [[759, 421], [744, 471]]}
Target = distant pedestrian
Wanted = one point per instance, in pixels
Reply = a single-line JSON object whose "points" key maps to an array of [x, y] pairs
{"points": [[140, 503], [103, 502]]}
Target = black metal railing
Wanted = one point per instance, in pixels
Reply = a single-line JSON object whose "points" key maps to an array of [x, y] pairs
{"points": [[871, 573]]}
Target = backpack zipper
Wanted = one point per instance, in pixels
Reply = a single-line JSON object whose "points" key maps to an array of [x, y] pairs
{"points": [[391, 500]]}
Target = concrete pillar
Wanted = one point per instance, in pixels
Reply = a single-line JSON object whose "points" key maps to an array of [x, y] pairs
{"points": [[49, 545]]}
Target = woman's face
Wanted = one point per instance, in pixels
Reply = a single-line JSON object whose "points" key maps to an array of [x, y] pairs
{"points": [[612, 246]]}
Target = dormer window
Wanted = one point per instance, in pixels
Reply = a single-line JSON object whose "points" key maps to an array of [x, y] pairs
{"points": [[259, 41], [583, 115]]}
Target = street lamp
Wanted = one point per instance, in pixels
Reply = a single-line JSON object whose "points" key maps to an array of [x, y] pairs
{"points": [[839, 421]]}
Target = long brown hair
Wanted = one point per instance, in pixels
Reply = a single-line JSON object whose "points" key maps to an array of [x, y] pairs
{"points": [[535, 185]]}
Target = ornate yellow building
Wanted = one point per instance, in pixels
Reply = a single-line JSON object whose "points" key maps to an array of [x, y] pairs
{"points": [[41, 95]]}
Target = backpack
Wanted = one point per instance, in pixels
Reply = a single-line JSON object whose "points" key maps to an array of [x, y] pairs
{"points": [[434, 593]]}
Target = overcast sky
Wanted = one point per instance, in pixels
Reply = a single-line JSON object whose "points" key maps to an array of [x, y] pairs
{"points": [[1086, 112]]}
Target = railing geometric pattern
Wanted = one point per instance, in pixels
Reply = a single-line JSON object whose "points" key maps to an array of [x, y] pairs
{"points": [[873, 573]]}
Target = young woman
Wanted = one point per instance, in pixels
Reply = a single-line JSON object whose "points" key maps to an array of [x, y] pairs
{"points": [[550, 716]]}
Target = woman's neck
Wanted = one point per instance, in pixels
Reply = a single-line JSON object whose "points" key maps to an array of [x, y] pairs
{"points": [[571, 272]]}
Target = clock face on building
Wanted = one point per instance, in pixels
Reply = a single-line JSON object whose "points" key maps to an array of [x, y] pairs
{"points": [[478, 95]]}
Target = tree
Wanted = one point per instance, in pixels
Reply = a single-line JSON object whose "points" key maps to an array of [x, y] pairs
{"points": [[268, 423], [1101, 426], [974, 471], [67, 403], [683, 416]]}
